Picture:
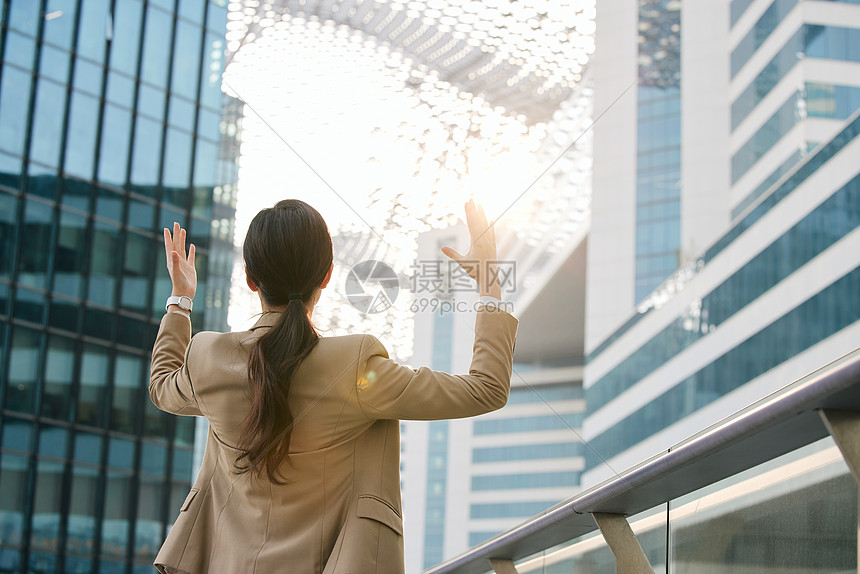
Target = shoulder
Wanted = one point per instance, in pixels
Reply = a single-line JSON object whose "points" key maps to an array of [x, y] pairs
{"points": [[363, 345]]}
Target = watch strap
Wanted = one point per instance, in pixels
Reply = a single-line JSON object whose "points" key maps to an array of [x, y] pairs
{"points": [[182, 301]]}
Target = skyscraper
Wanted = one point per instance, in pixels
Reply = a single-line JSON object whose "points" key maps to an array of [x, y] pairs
{"points": [[734, 167], [112, 126]]}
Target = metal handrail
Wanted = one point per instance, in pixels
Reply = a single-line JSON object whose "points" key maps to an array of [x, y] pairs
{"points": [[777, 424]]}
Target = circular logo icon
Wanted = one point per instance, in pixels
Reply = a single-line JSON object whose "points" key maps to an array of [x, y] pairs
{"points": [[372, 286]]}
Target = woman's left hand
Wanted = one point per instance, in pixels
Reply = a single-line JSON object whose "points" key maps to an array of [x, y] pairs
{"points": [[179, 265]]}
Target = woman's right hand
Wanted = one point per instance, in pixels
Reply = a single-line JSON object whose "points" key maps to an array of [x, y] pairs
{"points": [[481, 260]]}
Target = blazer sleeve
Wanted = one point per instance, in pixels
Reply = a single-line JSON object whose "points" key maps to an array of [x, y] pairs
{"points": [[169, 381], [387, 390]]}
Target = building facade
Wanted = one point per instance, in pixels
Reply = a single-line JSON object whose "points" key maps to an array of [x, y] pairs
{"points": [[112, 126], [739, 168]]}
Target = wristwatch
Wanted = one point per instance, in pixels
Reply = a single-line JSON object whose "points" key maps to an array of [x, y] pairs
{"points": [[183, 301]]}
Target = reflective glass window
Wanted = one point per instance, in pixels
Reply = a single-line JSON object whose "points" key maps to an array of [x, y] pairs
{"points": [[109, 204], [191, 9], [120, 89], [81, 136], [59, 370], [156, 47], [48, 119], [141, 214], [53, 441], [46, 505], [93, 380], [60, 22], [14, 102], [146, 158], [71, 254], [76, 194], [81, 526], [210, 80], [216, 16], [93, 29], [121, 453], [29, 305], [151, 102], [184, 435], [20, 50], [64, 314], [13, 497], [88, 448], [182, 459], [10, 170], [24, 17], [127, 22], [527, 452], [181, 113], [186, 59], [209, 125], [8, 217], [149, 528], [54, 63], [88, 77], [33, 262], [99, 323], [206, 157], [128, 370], [154, 420], [525, 480], [153, 458], [137, 267], [177, 158], [113, 161], [103, 264], [17, 434], [529, 424], [116, 514], [509, 509]]}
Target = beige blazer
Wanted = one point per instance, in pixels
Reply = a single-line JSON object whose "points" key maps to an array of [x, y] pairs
{"points": [[340, 512]]}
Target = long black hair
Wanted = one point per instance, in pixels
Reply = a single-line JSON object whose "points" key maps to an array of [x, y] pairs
{"points": [[288, 254]]}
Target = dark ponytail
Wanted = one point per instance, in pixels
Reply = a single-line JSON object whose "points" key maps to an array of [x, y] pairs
{"points": [[288, 253]]}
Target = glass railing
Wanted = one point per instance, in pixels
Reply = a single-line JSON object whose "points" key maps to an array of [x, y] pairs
{"points": [[768, 489]]}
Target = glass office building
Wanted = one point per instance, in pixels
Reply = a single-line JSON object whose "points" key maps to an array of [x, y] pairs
{"points": [[112, 126], [768, 210]]}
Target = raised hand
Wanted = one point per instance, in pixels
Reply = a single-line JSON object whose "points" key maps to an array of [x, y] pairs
{"points": [[481, 260], [179, 264]]}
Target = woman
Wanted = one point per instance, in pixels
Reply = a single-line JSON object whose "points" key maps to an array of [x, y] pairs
{"points": [[302, 466]]}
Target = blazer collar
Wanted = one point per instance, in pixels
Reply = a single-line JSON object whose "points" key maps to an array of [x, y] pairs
{"points": [[267, 320]]}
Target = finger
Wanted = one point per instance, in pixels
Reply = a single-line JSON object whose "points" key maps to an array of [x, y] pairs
{"points": [[452, 253], [179, 239], [471, 220], [168, 245], [191, 251]]}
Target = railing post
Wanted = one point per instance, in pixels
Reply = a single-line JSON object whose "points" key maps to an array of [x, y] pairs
{"points": [[502, 566], [844, 427], [629, 556]]}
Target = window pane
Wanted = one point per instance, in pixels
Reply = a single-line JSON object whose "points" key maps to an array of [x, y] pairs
{"points": [[88, 77], [46, 505], [54, 64], [206, 156], [60, 22], [109, 204], [82, 510], [33, 264], [103, 269], [71, 254], [141, 214], [13, 497], [114, 145], [88, 448], [177, 159], [116, 520], [137, 266], [59, 368], [186, 59], [93, 31], [48, 122], [149, 528], [81, 138], [120, 89], [8, 215], [24, 16], [14, 102], [128, 370], [181, 113], [121, 453], [156, 47], [147, 152], [94, 376], [127, 20], [23, 370], [20, 50], [153, 458], [191, 9], [151, 102], [210, 80], [53, 441]]}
